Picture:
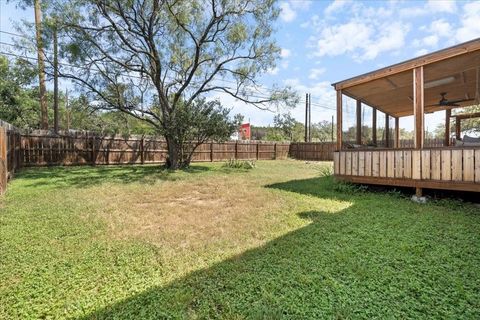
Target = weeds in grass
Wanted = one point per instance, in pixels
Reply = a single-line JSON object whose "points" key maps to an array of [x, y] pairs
{"points": [[240, 164]]}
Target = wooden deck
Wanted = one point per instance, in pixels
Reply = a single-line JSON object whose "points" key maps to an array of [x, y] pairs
{"points": [[435, 168]]}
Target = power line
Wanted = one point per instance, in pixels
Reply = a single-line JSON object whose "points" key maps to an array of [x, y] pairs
{"points": [[270, 90]]}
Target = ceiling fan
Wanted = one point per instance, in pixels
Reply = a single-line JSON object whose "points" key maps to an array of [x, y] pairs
{"points": [[444, 102]]}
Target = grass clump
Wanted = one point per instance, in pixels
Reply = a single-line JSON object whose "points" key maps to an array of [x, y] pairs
{"points": [[240, 164]]}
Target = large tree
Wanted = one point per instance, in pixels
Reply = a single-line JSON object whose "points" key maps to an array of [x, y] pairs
{"points": [[154, 59]]}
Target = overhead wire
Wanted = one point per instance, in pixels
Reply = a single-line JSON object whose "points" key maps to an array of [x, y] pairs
{"points": [[260, 96]]}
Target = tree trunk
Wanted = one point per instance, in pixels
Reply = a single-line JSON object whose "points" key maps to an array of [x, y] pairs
{"points": [[173, 160], [55, 79], [41, 65]]}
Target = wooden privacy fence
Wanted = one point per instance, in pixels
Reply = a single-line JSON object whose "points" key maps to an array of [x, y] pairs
{"points": [[10, 153], [313, 151], [40, 150]]}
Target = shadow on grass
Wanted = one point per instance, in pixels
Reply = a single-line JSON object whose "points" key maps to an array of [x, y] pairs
{"points": [[85, 176], [360, 262]]}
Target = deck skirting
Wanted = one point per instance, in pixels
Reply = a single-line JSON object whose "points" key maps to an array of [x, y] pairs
{"points": [[436, 168]]}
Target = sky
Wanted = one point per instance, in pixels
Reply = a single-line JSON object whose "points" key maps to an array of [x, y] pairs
{"points": [[327, 41]]}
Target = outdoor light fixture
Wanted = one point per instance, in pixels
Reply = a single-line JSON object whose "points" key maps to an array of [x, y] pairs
{"points": [[439, 82]]}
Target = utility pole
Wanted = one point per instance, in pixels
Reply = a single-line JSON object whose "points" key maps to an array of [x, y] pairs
{"points": [[55, 78], [309, 117], [306, 117], [332, 128], [41, 65]]}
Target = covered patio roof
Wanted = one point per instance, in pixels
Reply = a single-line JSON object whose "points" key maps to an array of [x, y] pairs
{"points": [[453, 71]]}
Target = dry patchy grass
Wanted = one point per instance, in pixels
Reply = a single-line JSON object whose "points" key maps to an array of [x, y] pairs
{"points": [[278, 241]]}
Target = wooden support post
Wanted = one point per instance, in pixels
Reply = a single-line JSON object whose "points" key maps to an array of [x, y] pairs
{"points": [[359, 122], [397, 132], [418, 106], [418, 192], [458, 128], [448, 114], [374, 126], [339, 119], [387, 130]]}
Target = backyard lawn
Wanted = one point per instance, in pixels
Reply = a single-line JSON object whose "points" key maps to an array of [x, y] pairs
{"points": [[279, 241]]}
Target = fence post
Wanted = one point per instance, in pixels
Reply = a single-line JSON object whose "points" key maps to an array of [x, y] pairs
{"points": [[94, 160], [142, 150], [3, 160], [275, 151], [236, 150], [211, 151], [257, 152]]}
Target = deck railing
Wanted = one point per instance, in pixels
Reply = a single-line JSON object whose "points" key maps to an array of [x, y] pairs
{"points": [[408, 166]]}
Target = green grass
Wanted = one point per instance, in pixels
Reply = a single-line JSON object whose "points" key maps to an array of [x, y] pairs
{"points": [[277, 241]]}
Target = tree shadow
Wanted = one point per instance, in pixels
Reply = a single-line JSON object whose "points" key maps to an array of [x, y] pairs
{"points": [[84, 176], [360, 262]]}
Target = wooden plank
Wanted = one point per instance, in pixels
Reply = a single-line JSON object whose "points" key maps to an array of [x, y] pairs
{"points": [[348, 163], [399, 164], [361, 163], [457, 174], [477, 166], [336, 163], [376, 164], [383, 163], [436, 161], [391, 164], [426, 166], [468, 166], [446, 156], [342, 162], [368, 163], [354, 163], [416, 164], [407, 164]]}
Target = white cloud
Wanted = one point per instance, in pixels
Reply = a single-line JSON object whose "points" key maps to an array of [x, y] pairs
{"points": [[447, 6], [441, 27], [470, 22], [301, 4], [285, 53], [431, 7], [287, 13], [315, 73], [431, 40], [363, 39], [289, 9], [421, 52], [335, 6]]}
